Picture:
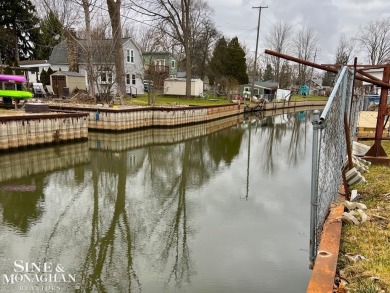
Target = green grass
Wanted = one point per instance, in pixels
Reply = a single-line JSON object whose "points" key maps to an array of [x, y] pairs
{"points": [[160, 100], [175, 101], [298, 98], [371, 239]]}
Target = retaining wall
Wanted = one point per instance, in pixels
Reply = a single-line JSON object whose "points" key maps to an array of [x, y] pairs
{"points": [[73, 122], [120, 119], [134, 139], [27, 130]]}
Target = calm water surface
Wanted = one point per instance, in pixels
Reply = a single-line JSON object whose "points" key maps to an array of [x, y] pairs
{"points": [[219, 207]]}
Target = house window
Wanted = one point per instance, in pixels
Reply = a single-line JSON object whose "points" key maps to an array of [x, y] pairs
{"points": [[106, 77], [127, 78], [173, 63], [247, 89], [159, 62], [133, 79], [130, 56]]}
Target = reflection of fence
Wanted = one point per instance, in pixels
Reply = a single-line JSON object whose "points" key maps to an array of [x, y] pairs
{"points": [[329, 151]]}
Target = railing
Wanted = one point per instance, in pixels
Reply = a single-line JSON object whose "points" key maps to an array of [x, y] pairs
{"points": [[329, 151], [157, 69]]}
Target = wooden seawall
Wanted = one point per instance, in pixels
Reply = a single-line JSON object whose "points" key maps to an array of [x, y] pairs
{"points": [[72, 123], [18, 131]]}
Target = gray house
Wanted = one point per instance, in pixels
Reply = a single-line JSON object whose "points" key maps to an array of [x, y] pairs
{"points": [[103, 64]]}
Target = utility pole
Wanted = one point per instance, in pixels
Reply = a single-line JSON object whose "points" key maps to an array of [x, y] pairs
{"points": [[257, 45]]}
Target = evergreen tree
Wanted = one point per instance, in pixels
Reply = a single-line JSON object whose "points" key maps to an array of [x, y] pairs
{"points": [[285, 76], [18, 30], [228, 62], [50, 35], [236, 62], [328, 79], [217, 67], [268, 73], [45, 76], [50, 72]]}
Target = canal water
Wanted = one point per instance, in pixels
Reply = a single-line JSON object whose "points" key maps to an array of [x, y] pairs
{"points": [[217, 207]]}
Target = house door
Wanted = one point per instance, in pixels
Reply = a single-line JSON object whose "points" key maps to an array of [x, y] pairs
{"points": [[59, 82]]}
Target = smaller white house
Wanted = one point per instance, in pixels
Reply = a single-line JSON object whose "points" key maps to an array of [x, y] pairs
{"points": [[177, 87], [34, 68]]}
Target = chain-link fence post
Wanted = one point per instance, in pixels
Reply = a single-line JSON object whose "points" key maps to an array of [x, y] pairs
{"points": [[314, 186]]}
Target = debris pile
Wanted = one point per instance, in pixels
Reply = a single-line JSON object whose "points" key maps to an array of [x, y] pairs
{"points": [[82, 97], [355, 213], [354, 175]]}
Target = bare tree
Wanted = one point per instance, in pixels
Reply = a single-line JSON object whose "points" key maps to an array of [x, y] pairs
{"points": [[278, 39], [305, 45], [63, 10], [204, 33], [344, 50], [150, 38], [88, 6], [114, 10], [375, 39], [175, 18]]}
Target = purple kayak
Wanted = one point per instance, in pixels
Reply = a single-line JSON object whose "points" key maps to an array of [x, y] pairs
{"points": [[10, 78]]}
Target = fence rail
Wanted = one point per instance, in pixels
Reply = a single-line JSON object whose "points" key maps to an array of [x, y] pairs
{"points": [[329, 151]]}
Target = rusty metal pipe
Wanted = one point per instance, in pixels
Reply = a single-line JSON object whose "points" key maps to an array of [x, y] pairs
{"points": [[326, 68]]}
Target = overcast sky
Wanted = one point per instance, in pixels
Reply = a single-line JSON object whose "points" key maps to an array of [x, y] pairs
{"points": [[328, 18]]}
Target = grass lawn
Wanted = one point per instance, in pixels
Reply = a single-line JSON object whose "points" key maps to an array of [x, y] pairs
{"points": [[171, 100], [299, 98], [176, 101], [370, 239]]}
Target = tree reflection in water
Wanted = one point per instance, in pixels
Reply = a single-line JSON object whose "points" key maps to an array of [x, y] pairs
{"points": [[123, 225], [198, 160], [289, 126], [99, 267]]}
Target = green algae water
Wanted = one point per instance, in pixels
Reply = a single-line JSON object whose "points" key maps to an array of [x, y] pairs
{"points": [[217, 207]]}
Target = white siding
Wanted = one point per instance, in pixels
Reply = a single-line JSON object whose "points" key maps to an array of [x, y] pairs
{"points": [[177, 86]]}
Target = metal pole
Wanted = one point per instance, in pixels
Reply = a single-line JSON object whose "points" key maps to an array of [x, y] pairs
{"points": [[333, 94], [314, 186], [257, 45], [344, 94]]}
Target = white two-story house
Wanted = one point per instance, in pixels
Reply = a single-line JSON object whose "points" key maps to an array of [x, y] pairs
{"points": [[103, 64]]}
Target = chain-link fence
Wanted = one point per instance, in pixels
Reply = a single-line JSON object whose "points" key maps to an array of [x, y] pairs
{"points": [[330, 151]]}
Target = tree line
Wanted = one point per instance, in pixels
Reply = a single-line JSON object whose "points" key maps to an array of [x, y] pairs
{"points": [[30, 30]]}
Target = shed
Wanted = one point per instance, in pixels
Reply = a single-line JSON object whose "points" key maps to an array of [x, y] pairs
{"points": [[65, 82], [177, 87], [304, 90]]}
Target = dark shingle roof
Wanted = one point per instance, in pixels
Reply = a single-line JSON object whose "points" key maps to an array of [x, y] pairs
{"points": [[59, 54]]}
